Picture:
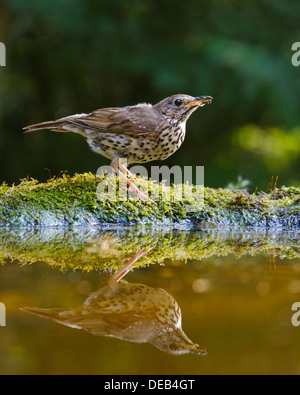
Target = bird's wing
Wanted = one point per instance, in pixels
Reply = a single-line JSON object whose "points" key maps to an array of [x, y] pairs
{"points": [[127, 120]]}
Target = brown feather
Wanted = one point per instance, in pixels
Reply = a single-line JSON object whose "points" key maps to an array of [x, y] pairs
{"points": [[127, 120], [44, 125]]}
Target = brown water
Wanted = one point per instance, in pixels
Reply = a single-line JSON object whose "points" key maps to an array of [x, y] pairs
{"points": [[237, 306]]}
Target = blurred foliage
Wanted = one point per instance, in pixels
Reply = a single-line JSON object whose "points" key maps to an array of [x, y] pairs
{"points": [[279, 150], [73, 56]]}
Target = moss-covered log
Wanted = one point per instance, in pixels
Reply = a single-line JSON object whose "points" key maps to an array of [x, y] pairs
{"points": [[73, 201]]}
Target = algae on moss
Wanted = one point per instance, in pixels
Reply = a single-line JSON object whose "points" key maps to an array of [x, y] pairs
{"points": [[72, 201]]}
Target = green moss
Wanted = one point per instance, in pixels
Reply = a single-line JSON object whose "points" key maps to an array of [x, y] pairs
{"points": [[72, 201], [101, 250]]}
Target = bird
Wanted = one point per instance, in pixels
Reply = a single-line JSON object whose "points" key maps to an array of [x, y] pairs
{"points": [[130, 312], [141, 133]]}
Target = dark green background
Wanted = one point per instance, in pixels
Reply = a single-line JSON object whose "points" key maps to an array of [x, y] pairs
{"points": [[74, 56]]}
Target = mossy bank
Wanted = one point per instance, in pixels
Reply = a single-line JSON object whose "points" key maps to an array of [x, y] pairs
{"points": [[76, 201]]}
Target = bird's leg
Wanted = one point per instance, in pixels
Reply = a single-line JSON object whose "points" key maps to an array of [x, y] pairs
{"points": [[122, 167], [114, 165], [128, 172], [121, 273], [133, 187]]}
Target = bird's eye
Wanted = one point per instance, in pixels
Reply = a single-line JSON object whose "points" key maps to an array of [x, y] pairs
{"points": [[178, 102], [173, 347]]}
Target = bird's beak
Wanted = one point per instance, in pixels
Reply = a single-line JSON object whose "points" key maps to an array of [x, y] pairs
{"points": [[195, 348], [200, 101]]}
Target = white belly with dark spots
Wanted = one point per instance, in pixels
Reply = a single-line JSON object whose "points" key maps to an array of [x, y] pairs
{"points": [[140, 149]]}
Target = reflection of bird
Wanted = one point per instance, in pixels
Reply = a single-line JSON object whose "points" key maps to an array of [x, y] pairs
{"points": [[131, 312], [140, 133]]}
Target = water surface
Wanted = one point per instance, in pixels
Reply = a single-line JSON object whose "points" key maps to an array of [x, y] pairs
{"points": [[235, 290]]}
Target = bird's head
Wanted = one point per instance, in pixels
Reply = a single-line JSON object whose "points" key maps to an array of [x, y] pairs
{"points": [[174, 341], [178, 108]]}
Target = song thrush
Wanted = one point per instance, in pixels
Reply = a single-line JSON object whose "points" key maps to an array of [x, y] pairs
{"points": [[139, 134], [135, 313]]}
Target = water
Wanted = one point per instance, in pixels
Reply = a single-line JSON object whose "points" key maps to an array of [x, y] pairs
{"points": [[235, 290]]}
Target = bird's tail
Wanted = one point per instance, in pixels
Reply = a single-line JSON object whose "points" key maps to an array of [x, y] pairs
{"points": [[64, 317], [45, 313], [53, 125]]}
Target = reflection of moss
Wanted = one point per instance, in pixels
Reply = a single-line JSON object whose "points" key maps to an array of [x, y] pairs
{"points": [[68, 201], [101, 250]]}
